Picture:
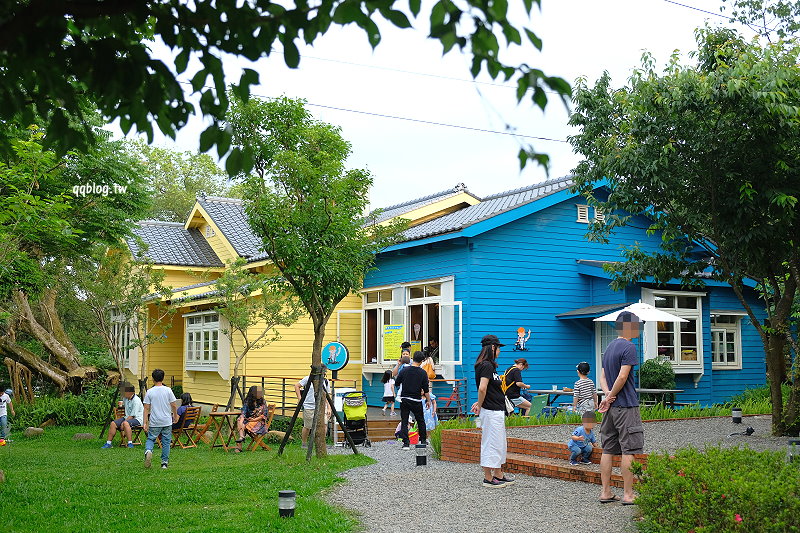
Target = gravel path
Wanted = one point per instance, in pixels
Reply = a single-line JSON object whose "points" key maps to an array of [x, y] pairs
{"points": [[448, 497], [674, 434]]}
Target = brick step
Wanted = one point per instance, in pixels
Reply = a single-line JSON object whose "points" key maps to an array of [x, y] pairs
{"points": [[530, 465], [558, 450]]}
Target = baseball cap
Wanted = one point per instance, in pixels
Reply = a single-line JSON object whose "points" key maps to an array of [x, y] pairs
{"points": [[627, 316], [489, 340]]}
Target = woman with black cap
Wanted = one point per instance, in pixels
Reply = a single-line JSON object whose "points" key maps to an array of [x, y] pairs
{"points": [[490, 407]]}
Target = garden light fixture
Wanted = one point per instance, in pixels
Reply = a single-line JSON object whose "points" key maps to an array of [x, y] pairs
{"points": [[422, 458], [794, 450], [286, 503], [736, 415]]}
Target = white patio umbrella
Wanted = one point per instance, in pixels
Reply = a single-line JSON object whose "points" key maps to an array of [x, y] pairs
{"points": [[646, 313]]}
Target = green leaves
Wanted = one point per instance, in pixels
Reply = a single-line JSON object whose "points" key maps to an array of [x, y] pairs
{"points": [[47, 65]]}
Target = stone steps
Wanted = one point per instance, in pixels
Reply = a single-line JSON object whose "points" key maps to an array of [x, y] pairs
{"points": [[532, 465], [530, 457]]}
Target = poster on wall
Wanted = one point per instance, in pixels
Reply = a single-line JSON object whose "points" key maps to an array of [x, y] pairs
{"points": [[393, 336], [416, 346]]}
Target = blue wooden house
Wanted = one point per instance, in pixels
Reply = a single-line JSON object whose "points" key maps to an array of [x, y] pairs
{"points": [[520, 261]]}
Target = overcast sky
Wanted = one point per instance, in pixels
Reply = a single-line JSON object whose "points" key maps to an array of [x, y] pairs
{"points": [[407, 76]]}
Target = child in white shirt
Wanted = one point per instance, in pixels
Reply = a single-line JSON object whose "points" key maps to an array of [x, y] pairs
{"points": [[388, 392]]}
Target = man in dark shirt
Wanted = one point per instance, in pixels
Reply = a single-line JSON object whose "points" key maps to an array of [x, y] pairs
{"points": [[621, 427], [414, 382]]}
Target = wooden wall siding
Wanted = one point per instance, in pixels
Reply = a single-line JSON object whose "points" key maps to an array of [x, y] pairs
{"points": [[182, 278], [523, 274], [289, 356], [728, 383]]}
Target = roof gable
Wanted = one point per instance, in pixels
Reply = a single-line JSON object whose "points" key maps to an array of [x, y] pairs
{"points": [[488, 208], [422, 209], [169, 243]]}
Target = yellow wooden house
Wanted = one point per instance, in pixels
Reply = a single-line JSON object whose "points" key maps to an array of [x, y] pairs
{"points": [[195, 353]]}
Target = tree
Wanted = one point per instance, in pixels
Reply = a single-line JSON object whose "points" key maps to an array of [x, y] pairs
{"points": [[59, 209], [132, 307], [178, 178], [254, 305], [710, 154], [51, 53], [768, 18], [307, 209]]}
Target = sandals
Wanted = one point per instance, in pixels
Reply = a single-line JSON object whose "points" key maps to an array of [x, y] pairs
{"points": [[238, 448], [610, 500]]}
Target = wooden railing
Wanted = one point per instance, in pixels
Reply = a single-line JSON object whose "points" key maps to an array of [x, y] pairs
{"points": [[280, 390], [451, 397]]}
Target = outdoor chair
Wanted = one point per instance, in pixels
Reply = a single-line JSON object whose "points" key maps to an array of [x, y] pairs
{"points": [[256, 440], [538, 403], [136, 432], [188, 424], [201, 429]]}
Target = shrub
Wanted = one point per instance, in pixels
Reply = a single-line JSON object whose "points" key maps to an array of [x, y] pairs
{"points": [[719, 490], [757, 394], [177, 390], [435, 436], [281, 423], [90, 408], [656, 373]]}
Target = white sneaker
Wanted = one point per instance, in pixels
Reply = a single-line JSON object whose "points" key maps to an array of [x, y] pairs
{"points": [[148, 458]]}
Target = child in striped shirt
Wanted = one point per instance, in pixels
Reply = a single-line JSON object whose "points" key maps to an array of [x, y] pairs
{"points": [[584, 397]]}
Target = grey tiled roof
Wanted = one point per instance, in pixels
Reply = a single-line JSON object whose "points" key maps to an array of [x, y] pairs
{"points": [[490, 206], [229, 216], [398, 209], [168, 243]]}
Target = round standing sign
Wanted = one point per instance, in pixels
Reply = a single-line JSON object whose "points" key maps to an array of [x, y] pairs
{"points": [[335, 356]]}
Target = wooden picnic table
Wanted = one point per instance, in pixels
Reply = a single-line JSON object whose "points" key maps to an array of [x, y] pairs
{"points": [[220, 419], [552, 395]]}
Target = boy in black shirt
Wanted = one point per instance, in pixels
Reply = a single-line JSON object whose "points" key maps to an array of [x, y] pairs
{"points": [[414, 381]]}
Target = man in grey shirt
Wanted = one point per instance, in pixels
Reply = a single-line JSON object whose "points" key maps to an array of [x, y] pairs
{"points": [[160, 412]]}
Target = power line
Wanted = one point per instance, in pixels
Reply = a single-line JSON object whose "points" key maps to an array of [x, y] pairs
{"points": [[698, 9], [410, 119], [432, 123]]}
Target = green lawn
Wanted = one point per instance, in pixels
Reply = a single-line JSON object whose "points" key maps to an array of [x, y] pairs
{"points": [[56, 484]]}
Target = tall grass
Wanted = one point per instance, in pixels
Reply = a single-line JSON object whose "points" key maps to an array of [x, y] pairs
{"points": [[435, 436]]}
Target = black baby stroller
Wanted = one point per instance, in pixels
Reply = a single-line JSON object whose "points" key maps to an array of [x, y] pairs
{"points": [[354, 408]]}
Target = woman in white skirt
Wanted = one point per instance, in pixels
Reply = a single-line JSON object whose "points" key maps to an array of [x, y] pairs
{"points": [[491, 407]]}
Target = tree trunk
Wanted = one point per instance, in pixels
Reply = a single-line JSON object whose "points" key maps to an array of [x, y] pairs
{"points": [[319, 390], [775, 346], [66, 358], [52, 321], [142, 387], [33, 361]]}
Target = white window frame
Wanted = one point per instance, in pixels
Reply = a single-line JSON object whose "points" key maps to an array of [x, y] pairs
{"points": [[583, 213], [401, 300], [203, 328], [129, 355], [736, 329], [599, 215], [651, 334]]}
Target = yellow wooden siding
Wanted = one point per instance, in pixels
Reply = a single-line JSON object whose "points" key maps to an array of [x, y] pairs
{"points": [[290, 356], [186, 276]]}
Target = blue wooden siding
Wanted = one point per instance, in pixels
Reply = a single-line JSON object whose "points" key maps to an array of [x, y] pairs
{"points": [[728, 383], [523, 274]]}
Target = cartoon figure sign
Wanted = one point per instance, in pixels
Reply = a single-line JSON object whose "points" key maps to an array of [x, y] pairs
{"points": [[519, 346], [335, 355]]}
